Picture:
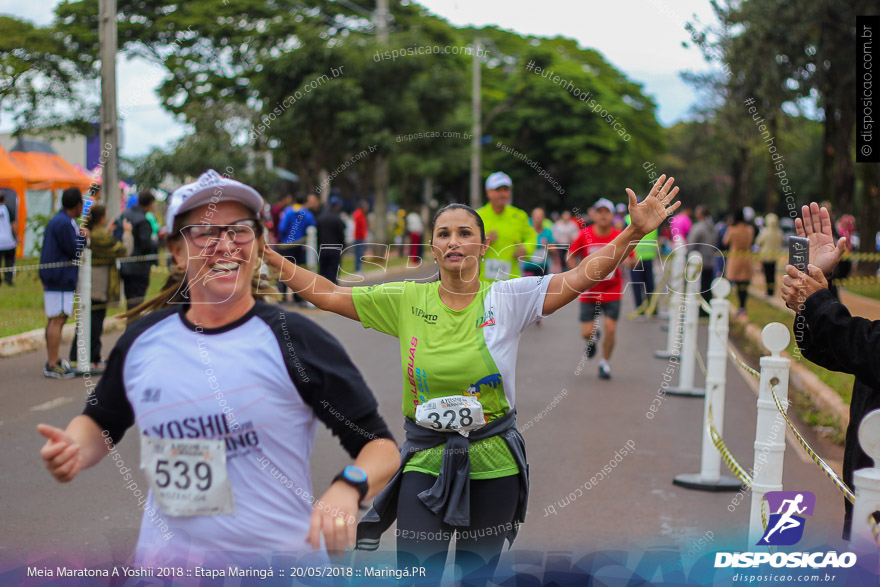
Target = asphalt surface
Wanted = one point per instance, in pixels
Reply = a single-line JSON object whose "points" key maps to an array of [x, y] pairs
{"points": [[569, 441]]}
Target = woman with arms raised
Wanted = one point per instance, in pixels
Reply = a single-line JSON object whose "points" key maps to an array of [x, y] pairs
{"points": [[463, 465]]}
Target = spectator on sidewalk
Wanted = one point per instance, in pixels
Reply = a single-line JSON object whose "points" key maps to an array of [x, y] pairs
{"points": [[8, 242], [739, 238], [331, 239], [702, 238], [136, 274], [416, 228], [829, 336], [292, 235], [275, 211], [105, 277], [63, 242], [361, 232], [769, 242]]}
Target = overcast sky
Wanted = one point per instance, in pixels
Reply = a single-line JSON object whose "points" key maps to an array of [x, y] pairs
{"points": [[642, 38]]}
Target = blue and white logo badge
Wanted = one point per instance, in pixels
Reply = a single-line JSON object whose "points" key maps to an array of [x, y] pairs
{"points": [[786, 526]]}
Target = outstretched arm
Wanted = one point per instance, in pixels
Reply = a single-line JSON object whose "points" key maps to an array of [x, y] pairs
{"points": [[646, 216], [311, 286]]}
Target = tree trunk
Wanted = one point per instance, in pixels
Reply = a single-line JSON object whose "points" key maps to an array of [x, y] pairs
{"points": [[868, 220], [739, 174], [380, 201], [771, 191]]}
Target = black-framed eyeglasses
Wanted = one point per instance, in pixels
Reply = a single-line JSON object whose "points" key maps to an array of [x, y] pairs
{"points": [[240, 232]]}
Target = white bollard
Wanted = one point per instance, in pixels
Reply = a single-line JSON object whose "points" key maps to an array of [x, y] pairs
{"points": [[689, 331], [867, 485], [709, 478], [676, 299], [770, 427], [312, 247], [84, 313]]}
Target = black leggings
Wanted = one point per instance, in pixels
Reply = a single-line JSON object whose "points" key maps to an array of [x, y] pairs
{"points": [[742, 292], [770, 276], [423, 536]]}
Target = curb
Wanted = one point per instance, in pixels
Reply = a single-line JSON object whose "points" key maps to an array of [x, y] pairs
{"points": [[806, 381], [35, 340]]}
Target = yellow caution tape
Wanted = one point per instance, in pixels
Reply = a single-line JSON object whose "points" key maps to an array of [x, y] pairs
{"points": [[726, 456], [740, 362], [875, 528], [783, 256], [829, 472]]}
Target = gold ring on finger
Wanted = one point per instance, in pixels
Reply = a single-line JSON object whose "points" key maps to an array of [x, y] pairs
{"points": [[340, 522]]}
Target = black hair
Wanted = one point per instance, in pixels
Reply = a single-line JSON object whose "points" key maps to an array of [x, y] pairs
{"points": [[467, 209], [2, 198], [145, 198], [300, 200], [739, 216], [71, 198]]}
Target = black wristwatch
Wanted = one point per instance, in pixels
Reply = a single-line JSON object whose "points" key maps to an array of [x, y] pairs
{"points": [[356, 477]]}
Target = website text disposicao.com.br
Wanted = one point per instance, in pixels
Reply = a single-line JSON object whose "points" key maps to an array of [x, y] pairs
{"points": [[393, 54]]}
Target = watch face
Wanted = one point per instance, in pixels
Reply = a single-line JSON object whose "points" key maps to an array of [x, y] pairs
{"points": [[355, 474]]}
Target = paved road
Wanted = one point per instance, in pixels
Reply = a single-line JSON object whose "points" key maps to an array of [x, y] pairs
{"points": [[636, 506]]}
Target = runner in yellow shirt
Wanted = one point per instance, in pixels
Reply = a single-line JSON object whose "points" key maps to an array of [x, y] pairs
{"points": [[507, 228]]}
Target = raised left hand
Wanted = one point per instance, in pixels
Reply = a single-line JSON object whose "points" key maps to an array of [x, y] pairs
{"points": [[648, 214]]}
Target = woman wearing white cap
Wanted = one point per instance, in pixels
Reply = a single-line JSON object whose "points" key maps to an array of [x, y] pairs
{"points": [[225, 390], [463, 467]]}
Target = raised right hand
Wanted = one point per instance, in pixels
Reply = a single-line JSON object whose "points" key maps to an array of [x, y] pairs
{"points": [[816, 226], [61, 453]]}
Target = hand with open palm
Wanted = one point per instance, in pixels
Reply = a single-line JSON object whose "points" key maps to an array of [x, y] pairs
{"points": [[648, 214], [816, 226]]}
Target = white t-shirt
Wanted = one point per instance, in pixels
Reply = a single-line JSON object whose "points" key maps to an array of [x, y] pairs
{"points": [[258, 383], [565, 231], [414, 223], [7, 240]]}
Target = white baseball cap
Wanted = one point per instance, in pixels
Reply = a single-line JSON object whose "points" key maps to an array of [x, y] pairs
{"points": [[210, 188], [603, 203], [498, 179]]}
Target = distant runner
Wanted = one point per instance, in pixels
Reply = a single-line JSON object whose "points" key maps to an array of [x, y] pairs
{"points": [[510, 234]]}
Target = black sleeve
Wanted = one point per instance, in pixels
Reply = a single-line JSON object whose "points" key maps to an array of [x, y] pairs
{"points": [[838, 341], [107, 404], [327, 380]]}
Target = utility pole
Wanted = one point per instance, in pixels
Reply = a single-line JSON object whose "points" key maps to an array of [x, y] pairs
{"points": [[109, 131], [380, 201], [477, 135]]}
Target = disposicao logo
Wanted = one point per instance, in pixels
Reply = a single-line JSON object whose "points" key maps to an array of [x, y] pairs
{"points": [[786, 526]]}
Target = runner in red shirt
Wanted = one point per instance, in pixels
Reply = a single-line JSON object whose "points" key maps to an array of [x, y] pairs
{"points": [[605, 296], [361, 230]]}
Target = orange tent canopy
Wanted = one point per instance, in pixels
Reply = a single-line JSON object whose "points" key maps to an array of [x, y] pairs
{"points": [[51, 168], [12, 176], [36, 170]]}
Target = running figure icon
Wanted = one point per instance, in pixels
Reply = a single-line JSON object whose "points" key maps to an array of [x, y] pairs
{"points": [[786, 525], [785, 521]]}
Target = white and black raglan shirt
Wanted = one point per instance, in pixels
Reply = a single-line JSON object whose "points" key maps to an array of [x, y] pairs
{"points": [[260, 383]]}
